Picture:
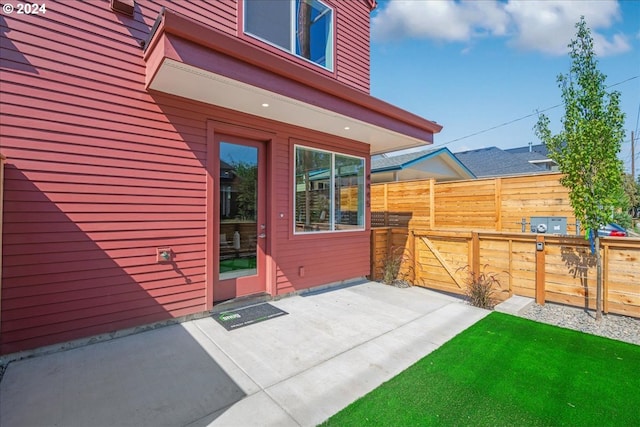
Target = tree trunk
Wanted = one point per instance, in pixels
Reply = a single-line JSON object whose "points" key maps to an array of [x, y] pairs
{"points": [[598, 280]]}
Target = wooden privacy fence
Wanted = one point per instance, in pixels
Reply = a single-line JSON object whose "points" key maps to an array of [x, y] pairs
{"points": [[496, 204], [564, 271]]}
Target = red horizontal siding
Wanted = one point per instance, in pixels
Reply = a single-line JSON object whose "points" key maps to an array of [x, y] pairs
{"points": [[325, 257], [95, 109], [95, 169], [92, 325], [110, 246], [220, 14], [100, 174], [352, 44], [69, 290], [37, 286], [34, 217], [334, 259], [352, 18], [99, 178], [62, 307], [112, 207]]}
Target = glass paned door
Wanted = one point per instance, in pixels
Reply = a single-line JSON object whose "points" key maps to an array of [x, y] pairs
{"points": [[241, 220]]}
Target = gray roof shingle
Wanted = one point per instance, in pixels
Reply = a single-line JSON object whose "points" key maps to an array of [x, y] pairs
{"points": [[492, 161], [540, 149]]}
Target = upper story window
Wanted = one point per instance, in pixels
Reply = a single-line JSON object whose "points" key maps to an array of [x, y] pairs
{"points": [[302, 27]]}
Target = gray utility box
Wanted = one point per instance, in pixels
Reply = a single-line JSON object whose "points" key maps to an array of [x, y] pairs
{"points": [[549, 224]]}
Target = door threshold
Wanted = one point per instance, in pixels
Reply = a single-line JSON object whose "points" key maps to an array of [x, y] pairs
{"points": [[234, 303]]}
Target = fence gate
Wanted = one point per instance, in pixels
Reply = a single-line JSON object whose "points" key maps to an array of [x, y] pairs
{"points": [[441, 261]]}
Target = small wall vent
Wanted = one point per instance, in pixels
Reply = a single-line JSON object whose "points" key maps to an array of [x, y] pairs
{"points": [[126, 7]]}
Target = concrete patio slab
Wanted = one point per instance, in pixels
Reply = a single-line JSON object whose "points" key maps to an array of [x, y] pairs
{"points": [[364, 367], [333, 347], [160, 377], [256, 410]]}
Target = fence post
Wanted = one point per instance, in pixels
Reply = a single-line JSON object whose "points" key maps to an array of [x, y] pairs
{"points": [[432, 203], [372, 256], [605, 278], [411, 245], [540, 270], [498, 203], [474, 262]]}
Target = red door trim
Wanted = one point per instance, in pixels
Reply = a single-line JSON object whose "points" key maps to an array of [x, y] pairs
{"points": [[209, 212], [214, 129]]}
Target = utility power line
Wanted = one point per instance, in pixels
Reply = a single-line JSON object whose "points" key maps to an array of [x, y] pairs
{"points": [[537, 112]]}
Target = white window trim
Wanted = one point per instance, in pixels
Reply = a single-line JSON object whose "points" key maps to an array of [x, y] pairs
{"points": [[332, 213], [329, 61]]}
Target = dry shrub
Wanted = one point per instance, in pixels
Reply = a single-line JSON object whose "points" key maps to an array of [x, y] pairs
{"points": [[391, 266], [481, 288]]}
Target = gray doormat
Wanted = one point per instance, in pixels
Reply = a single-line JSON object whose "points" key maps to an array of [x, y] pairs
{"points": [[234, 319]]}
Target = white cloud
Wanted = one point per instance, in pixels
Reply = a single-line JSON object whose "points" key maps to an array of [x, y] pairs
{"points": [[441, 20], [619, 43], [548, 26], [543, 26]]}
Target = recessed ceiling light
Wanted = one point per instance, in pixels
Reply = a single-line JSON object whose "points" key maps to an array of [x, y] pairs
{"points": [[265, 105], [347, 128]]}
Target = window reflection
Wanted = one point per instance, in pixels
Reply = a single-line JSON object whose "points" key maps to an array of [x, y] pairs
{"points": [[329, 194], [238, 210]]}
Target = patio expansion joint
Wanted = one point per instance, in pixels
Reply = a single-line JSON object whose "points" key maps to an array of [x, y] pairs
{"points": [[266, 388], [228, 356], [352, 347], [226, 408], [432, 340], [260, 387]]}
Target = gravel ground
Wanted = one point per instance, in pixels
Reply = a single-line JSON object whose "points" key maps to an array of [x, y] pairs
{"points": [[619, 328]]}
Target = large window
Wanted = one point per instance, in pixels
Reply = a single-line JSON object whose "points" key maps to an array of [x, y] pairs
{"points": [[329, 191], [302, 27]]}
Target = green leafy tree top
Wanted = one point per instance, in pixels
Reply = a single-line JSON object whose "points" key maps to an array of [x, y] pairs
{"points": [[247, 189], [587, 148], [632, 189]]}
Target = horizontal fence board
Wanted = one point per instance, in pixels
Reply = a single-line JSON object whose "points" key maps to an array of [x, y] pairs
{"points": [[494, 208], [475, 204], [569, 267]]}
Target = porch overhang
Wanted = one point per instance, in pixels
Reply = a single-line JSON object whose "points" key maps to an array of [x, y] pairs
{"points": [[193, 61]]}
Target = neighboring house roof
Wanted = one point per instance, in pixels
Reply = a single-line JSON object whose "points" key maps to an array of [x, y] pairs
{"points": [[439, 164], [226, 170], [530, 156], [534, 154], [540, 149], [492, 161]]}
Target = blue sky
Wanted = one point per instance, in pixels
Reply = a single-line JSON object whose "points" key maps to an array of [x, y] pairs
{"points": [[472, 66]]}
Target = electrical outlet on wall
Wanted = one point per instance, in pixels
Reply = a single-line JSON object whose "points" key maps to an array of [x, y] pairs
{"points": [[164, 255]]}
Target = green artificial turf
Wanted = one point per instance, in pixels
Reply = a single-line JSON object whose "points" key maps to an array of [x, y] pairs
{"points": [[237, 264], [509, 371]]}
